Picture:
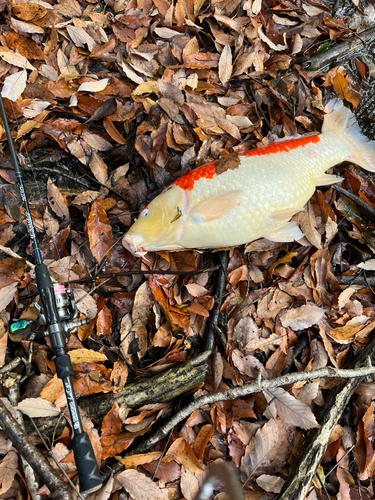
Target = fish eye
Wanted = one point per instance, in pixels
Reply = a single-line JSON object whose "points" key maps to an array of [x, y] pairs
{"points": [[143, 213], [177, 216]]}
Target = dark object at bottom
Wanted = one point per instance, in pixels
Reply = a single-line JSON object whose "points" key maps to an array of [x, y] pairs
{"points": [[365, 113]]}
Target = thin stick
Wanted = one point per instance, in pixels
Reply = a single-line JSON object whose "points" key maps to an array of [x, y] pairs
{"points": [[33, 456], [237, 392], [10, 252]]}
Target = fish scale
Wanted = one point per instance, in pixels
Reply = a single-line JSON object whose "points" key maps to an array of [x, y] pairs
{"points": [[261, 182], [239, 199]]}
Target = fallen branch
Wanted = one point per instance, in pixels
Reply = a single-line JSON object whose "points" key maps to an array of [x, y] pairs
{"points": [[57, 487], [10, 252], [364, 208], [209, 340], [356, 44], [359, 280], [247, 389], [298, 483], [160, 388]]}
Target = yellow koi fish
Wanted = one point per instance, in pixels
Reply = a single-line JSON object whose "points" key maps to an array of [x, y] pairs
{"points": [[239, 199]]}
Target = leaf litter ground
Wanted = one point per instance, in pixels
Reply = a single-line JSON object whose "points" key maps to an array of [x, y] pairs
{"points": [[112, 102]]}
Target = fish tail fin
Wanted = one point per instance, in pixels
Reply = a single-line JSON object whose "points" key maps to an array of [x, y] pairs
{"points": [[340, 119]]}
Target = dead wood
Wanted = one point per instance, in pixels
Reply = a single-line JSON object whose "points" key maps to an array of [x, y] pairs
{"points": [[364, 208], [214, 316], [298, 483], [356, 45], [59, 490], [357, 279], [359, 372], [160, 388]]}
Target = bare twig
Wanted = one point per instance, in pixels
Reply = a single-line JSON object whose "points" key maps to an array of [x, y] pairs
{"points": [[214, 316], [10, 252], [364, 208], [10, 366], [31, 478], [247, 389], [359, 280], [298, 482], [343, 49], [146, 271], [57, 487]]}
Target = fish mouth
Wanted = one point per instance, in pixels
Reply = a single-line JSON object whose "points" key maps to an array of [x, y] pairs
{"points": [[132, 242]]}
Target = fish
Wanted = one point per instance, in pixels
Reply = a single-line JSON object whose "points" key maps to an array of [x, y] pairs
{"points": [[241, 198]]}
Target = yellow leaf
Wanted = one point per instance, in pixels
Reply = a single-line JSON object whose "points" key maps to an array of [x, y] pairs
{"points": [[150, 87], [132, 461], [86, 356]]}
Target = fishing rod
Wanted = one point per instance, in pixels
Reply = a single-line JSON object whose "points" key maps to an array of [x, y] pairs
{"points": [[57, 311]]}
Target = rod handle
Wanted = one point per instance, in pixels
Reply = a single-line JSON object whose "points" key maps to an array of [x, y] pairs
{"points": [[87, 469]]}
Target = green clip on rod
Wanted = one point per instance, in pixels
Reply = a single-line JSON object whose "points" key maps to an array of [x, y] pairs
{"points": [[88, 473]]}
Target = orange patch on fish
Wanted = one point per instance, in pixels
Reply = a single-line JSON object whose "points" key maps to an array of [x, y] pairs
{"points": [[282, 146], [209, 170], [187, 181]]}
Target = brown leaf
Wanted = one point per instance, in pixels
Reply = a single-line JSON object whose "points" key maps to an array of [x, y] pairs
{"points": [[269, 450], [167, 472], [98, 168], [344, 88], [196, 290], [139, 486], [99, 232], [202, 440], [307, 221], [37, 407], [3, 340], [344, 334], [8, 470], [52, 389], [202, 60], [29, 11], [143, 303], [196, 308], [22, 27], [85, 197], [112, 131], [189, 484], [225, 65], [104, 322], [183, 454], [107, 108], [119, 375], [86, 356], [291, 410], [133, 461], [56, 200], [302, 317], [7, 294]]}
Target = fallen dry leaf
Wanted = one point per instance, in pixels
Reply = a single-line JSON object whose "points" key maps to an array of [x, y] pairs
{"points": [[302, 317], [56, 200], [139, 486], [37, 407], [290, 409], [100, 233]]}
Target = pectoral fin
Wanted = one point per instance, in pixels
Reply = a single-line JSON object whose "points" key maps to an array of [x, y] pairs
{"points": [[327, 180], [215, 207], [285, 214], [284, 234]]}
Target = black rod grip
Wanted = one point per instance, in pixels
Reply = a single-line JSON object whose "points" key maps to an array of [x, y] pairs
{"points": [[87, 469]]}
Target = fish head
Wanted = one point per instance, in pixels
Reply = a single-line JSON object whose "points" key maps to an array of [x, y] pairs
{"points": [[160, 224]]}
